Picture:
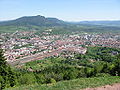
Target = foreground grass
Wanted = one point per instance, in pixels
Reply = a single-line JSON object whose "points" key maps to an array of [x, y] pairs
{"points": [[76, 84]]}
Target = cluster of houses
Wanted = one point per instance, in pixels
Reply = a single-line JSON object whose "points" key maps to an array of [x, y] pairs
{"points": [[30, 46], [104, 40]]}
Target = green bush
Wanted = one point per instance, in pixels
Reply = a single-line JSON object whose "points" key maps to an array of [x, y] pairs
{"points": [[27, 78], [40, 78], [52, 80], [103, 75]]}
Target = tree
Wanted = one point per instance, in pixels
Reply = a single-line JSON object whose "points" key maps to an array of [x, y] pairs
{"points": [[27, 78], [117, 67], [7, 76]]}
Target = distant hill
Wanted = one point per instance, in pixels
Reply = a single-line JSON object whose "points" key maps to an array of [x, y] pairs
{"points": [[103, 23], [41, 23], [33, 20]]}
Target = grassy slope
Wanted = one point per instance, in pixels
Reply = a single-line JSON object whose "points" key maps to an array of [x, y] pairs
{"points": [[11, 29], [76, 84], [63, 29]]}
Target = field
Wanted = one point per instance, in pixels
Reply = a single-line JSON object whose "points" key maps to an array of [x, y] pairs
{"points": [[75, 84]]}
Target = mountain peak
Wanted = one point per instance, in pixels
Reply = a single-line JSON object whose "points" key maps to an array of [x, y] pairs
{"points": [[34, 20]]}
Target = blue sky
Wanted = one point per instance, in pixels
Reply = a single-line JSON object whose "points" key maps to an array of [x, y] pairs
{"points": [[68, 10]]}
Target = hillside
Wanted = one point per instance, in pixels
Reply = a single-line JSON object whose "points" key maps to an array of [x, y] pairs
{"points": [[33, 20], [41, 23], [81, 69], [76, 84]]}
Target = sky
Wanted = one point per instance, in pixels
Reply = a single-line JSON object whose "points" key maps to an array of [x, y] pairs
{"points": [[67, 10]]}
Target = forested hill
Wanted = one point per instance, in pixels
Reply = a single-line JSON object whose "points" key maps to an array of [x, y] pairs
{"points": [[41, 23], [34, 20]]}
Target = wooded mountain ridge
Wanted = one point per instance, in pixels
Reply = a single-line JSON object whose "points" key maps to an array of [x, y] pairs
{"points": [[44, 21]]}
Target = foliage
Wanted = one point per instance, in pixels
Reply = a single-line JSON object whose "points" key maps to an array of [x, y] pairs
{"points": [[51, 70], [7, 75], [76, 84]]}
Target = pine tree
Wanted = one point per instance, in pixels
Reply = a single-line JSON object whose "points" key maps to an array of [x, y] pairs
{"points": [[7, 76]]}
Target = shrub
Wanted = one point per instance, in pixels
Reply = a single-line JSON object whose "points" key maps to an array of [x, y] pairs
{"points": [[52, 80], [102, 75], [27, 79]]}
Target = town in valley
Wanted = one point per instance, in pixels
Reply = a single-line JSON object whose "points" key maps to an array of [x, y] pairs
{"points": [[28, 46]]}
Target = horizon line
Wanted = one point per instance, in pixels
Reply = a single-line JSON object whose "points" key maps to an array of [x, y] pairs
{"points": [[63, 19]]}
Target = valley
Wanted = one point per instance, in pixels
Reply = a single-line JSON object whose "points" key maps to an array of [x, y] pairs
{"points": [[46, 51]]}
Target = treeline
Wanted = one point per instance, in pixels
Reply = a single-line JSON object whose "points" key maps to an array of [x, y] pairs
{"points": [[93, 64]]}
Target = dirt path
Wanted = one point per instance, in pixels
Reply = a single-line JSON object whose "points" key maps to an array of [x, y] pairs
{"points": [[106, 87]]}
